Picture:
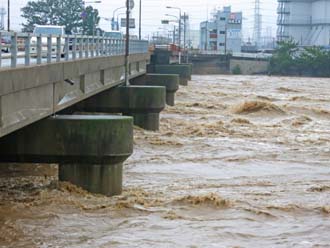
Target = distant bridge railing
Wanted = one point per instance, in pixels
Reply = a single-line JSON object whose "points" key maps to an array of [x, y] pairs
{"points": [[236, 54], [25, 49]]}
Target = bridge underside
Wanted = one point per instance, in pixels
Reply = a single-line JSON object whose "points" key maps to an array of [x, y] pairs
{"points": [[29, 94]]}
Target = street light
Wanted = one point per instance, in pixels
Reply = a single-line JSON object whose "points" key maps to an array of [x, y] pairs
{"points": [[113, 18], [119, 14], [170, 7], [177, 20]]}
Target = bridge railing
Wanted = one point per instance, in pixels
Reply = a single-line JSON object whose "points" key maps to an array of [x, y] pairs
{"points": [[25, 49], [260, 55]]}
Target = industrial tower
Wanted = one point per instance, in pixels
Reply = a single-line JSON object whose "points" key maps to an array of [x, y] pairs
{"points": [[306, 22], [257, 23]]}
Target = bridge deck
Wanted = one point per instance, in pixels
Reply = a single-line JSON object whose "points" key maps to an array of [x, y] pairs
{"points": [[32, 91]]}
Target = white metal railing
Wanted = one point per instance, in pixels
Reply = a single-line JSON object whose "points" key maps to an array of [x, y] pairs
{"points": [[235, 54], [25, 49]]}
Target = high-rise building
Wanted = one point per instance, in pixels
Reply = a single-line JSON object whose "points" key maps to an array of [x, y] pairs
{"points": [[305, 21], [223, 32]]}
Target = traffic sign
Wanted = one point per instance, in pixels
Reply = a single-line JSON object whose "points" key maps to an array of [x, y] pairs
{"points": [[131, 22]]}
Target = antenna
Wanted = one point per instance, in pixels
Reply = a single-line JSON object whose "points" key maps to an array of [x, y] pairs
{"points": [[257, 23]]}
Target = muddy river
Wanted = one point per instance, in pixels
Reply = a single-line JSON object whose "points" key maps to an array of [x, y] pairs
{"points": [[240, 161]]}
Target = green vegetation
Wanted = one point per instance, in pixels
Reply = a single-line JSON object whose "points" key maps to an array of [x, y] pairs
{"points": [[289, 59], [237, 70], [69, 13]]}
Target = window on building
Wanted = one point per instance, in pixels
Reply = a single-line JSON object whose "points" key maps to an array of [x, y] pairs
{"points": [[222, 32], [222, 18], [221, 44]]}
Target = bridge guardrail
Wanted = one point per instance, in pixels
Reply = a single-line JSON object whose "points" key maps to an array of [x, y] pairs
{"points": [[236, 54], [25, 49]]}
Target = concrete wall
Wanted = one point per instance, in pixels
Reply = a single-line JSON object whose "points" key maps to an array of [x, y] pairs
{"points": [[29, 94], [249, 67], [209, 66]]}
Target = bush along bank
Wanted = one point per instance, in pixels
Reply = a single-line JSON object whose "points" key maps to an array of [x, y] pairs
{"points": [[289, 59]]}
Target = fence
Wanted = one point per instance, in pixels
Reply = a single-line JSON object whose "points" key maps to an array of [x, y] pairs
{"points": [[25, 49]]}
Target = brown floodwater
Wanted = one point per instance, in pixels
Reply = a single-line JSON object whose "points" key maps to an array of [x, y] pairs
{"points": [[240, 161]]}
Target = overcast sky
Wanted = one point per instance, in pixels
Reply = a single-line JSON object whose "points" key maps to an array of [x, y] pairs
{"points": [[154, 10]]}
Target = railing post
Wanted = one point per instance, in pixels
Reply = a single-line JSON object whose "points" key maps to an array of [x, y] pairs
{"points": [[87, 47], [122, 47], [111, 50], [93, 46], [67, 47], [13, 50], [97, 46], [74, 47], [115, 47], [102, 47], [39, 49], [27, 49], [81, 47], [49, 48], [108, 46], [58, 48]]}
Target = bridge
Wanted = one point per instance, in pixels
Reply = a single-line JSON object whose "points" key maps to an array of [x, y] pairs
{"points": [[217, 62], [67, 100]]}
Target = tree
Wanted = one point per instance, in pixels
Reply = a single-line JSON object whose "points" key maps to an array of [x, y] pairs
{"points": [[68, 13], [90, 21], [315, 61], [288, 59], [283, 61]]}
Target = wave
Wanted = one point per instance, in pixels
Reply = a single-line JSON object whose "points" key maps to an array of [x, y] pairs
{"points": [[249, 107]]}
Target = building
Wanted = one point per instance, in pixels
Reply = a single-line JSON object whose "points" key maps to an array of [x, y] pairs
{"points": [[305, 21], [223, 32]]}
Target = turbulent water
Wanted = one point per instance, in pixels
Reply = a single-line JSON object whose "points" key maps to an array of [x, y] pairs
{"points": [[240, 161]]}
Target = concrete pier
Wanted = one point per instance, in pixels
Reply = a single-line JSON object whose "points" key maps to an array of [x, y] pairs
{"points": [[103, 179], [169, 81], [144, 103], [89, 149], [183, 70]]}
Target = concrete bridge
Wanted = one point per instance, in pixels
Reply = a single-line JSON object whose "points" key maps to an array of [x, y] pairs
{"points": [[214, 62], [50, 96]]}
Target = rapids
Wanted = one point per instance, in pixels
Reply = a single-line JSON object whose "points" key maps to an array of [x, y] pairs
{"points": [[240, 161]]}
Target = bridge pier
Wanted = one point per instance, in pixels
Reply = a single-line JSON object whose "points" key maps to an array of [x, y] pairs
{"points": [[183, 70], [169, 81], [90, 149], [143, 103]]}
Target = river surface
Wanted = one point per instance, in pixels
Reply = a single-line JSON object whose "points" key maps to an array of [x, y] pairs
{"points": [[240, 161]]}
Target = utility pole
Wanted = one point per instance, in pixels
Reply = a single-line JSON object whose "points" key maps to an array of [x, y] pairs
{"points": [[140, 17], [180, 17], [206, 29], [8, 15], [184, 33], [180, 38], [127, 43]]}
